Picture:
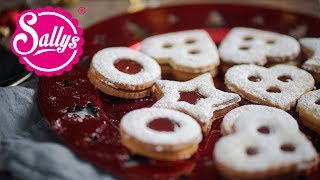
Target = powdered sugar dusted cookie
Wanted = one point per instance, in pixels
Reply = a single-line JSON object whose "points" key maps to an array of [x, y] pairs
{"points": [[191, 52], [311, 46], [308, 108], [162, 134], [197, 97], [262, 142], [253, 46], [122, 72], [279, 86]]}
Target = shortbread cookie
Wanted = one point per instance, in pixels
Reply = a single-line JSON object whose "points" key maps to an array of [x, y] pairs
{"points": [[253, 46], [262, 142], [311, 46], [161, 134], [197, 97], [279, 86], [308, 108], [191, 52], [122, 72]]}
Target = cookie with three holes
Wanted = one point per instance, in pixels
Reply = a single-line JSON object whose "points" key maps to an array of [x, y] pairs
{"points": [[278, 86], [123, 72], [185, 54], [262, 142], [253, 46], [308, 108]]}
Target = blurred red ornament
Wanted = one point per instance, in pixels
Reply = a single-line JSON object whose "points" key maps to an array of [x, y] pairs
{"points": [[9, 17]]}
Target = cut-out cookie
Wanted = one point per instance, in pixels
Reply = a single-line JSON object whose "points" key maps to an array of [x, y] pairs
{"points": [[122, 72], [262, 142], [162, 134], [279, 86], [253, 46], [311, 46], [308, 108], [197, 97], [188, 52]]}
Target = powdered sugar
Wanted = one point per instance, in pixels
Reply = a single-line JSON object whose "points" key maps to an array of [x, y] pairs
{"points": [[135, 123], [203, 110], [188, 51], [248, 150], [298, 83], [312, 47], [308, 103], [234, 115], [253, 46], [103, 61]]}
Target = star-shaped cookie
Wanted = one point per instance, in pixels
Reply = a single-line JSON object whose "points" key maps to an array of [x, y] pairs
{"points": [[197, 97]]}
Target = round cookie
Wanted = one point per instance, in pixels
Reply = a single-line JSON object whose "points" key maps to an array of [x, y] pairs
{"points": [[161, 134], [262, 142], [122, 72], [308, 108]]}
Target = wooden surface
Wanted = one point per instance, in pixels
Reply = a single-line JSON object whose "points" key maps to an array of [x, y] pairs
{"points": [[97, 10]]}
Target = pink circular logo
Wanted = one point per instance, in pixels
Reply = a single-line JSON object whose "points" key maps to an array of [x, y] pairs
{"points": [[48, 41]]}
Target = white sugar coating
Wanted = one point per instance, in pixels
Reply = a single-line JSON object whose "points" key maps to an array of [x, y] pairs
{"points": [[312, 47], [179, 53], [135, 124], [203, 110], [103, 61], [253, 46], [308, 103], [234, 115], [231, 150], [299, 83]]}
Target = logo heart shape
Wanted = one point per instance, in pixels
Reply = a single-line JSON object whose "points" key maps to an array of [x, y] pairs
{"points": [[279, 86]]}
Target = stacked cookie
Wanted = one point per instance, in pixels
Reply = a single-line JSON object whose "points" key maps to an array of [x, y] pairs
{"points": [[253, 46], [123, 72], [185, 54]]}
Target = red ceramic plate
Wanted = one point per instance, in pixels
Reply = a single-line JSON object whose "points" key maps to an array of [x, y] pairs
{"points": [[87, 120]]}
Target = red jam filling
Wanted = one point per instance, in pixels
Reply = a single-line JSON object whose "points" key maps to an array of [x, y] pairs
{"points": [[128, 66], [162, 124], [191, 97]]}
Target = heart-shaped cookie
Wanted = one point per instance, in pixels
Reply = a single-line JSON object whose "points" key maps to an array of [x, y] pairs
{"points": [[262, 142], [279, 86], [188, 53]]}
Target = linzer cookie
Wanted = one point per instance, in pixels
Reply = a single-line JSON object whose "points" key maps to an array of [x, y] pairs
{"points": [[186, 54], [253, 46], [311, 46], [262, 142], [279, 86], [197, 97], [122, 72], [161, 134], [308, 108]]}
